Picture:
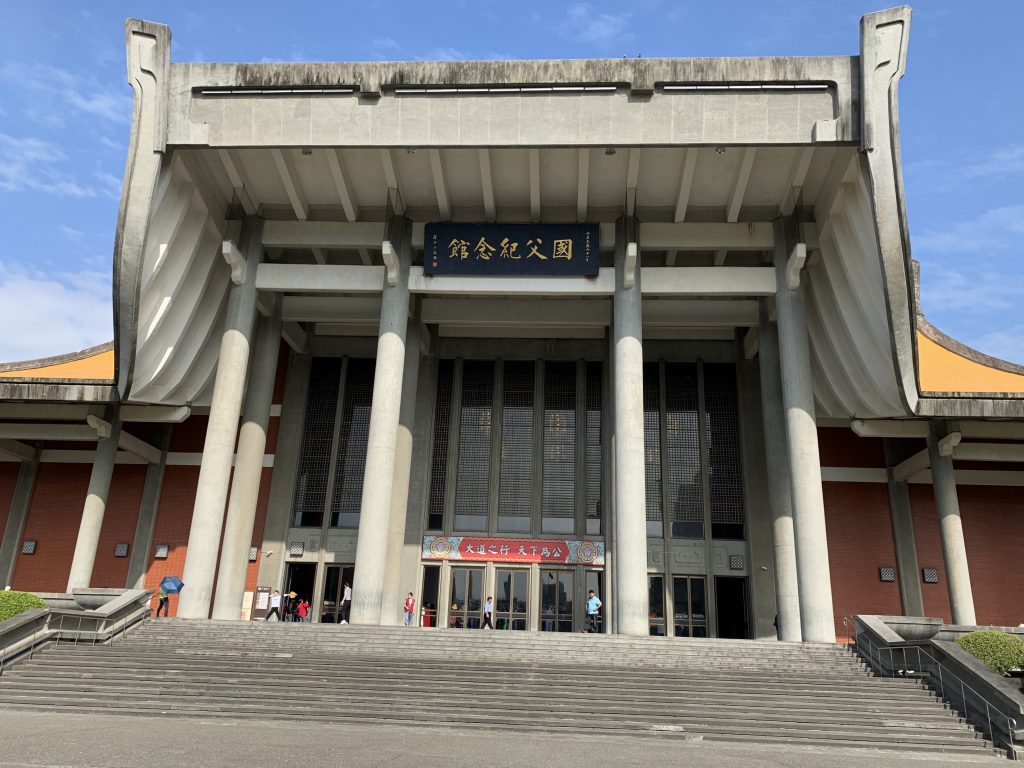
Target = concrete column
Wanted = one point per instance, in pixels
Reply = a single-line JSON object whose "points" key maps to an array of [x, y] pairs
{"points": [[219, 447], [245, 485], [903, 535], [814, 580], [787, 595], [20, 502], [951, 530], [394, 590], [630, 499], [141, 554], [95, 505], [379, 475]]}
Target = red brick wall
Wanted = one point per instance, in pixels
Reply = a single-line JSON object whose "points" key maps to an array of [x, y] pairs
{"points": [[53, 520], [257, 529], [8, 479], [173, 520], [859, 532], [840, 447], [929, 550], [119, 522]]}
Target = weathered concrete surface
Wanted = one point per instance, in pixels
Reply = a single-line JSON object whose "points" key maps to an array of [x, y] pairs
{"points": [[105, 740]]}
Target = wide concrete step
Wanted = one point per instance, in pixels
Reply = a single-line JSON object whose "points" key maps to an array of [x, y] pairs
{"points": [[483, 716]]}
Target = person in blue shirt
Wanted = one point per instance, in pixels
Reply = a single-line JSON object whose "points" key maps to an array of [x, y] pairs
{"points": [[593, 608]]}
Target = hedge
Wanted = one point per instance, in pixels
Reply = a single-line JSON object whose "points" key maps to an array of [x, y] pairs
{"points": [[999, 650], [12, 603]]}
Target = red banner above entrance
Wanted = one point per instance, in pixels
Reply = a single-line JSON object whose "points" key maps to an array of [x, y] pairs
{"points": [[486, 549]]}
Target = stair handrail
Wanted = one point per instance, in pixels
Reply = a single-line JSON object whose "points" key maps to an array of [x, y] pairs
{"points": [[22, 635], [874, 659]]}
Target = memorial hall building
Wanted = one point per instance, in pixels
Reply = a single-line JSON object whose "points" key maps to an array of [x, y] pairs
{"points": [[522, 329]]}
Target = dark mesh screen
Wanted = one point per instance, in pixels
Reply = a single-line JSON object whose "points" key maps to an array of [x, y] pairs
{"points": [[682, 451], [652, 448], [355, 430], [515, 487], [725, 480], [439, 462], [317, 436], [559, 495], [593, 448], [474, 446]]}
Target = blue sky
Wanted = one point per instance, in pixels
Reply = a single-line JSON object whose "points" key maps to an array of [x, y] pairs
{"points": [[65, 114]]}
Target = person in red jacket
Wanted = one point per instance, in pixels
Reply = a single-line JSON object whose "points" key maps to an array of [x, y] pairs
{"points": [[410, 609]]}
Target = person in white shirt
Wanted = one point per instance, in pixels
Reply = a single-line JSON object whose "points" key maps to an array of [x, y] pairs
{"points": [[488, 611], [275, 606], [346, 603]]}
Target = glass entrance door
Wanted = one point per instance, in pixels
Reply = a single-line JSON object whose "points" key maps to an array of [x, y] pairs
{"points": [[334, 587], [510, 598], [557, 593], [466, 606], [688, 604]]}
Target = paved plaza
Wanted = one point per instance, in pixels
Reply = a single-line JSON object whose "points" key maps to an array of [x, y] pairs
{"points": [[106, 741]]}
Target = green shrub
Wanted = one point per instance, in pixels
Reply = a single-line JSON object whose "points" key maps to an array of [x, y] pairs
{"points": [[12, 603], [999, 650]]}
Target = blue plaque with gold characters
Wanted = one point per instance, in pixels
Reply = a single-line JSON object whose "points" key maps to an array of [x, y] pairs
{"points": [[549, 250]]}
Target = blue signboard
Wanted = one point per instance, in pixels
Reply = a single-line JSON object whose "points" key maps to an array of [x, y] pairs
{"points": [[511, 249]]}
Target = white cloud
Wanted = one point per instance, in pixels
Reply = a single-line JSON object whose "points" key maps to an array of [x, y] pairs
{"points": [[969, 292], [52, 89], [34, 164], [584, 22], [994, 229], [1005, 161], [53, 314], [1005, 344]]}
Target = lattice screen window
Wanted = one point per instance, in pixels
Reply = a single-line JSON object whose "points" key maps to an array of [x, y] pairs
{"points": [[439, 463], [474, 446], [682, 451], [515, 484], [317, 436], [652, 448], [559, 495], [725, 480], [592, 401], [354, 434]]}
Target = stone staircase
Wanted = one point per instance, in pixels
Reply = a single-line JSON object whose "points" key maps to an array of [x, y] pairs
{"points": [[723, 690]]}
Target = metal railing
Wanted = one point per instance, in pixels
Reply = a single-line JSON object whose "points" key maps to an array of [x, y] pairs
{"points": [[941, 679], [67, 626]]}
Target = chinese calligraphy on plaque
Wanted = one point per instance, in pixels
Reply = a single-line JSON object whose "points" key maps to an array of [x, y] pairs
{"points": [[511, 249]]}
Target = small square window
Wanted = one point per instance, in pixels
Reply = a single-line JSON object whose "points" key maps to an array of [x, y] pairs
{"points": [[28, 547], [930, 575], [120, 550], [736, 562], [161, 551], [253, 554], [296, 548], [885, 573]]}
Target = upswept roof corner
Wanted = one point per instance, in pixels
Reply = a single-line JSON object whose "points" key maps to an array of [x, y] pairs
{"points": [[95, 364], [950, 368]]}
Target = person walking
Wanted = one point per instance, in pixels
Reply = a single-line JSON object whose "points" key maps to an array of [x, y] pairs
{"points": [[410, 609], [346, 603], [593, 609], [165, 601], [275, 606], [303, 610], [488, 613]]}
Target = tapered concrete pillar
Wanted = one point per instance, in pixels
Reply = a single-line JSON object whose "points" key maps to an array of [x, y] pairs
{"points": [[903, 538], [222, 428], [780, 498], [813, 577], [95, 505], [632, 596], [379, 475], [951, 530], [394, 590], [141, 554], [20, 502], [245, 484]]}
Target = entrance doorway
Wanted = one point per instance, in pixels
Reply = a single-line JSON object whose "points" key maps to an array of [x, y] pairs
{"points": [[300, 579], [335, 579], [510, 589], [731, 605], [557, 593], [466, 611], [689, 606], [594, 581]]}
